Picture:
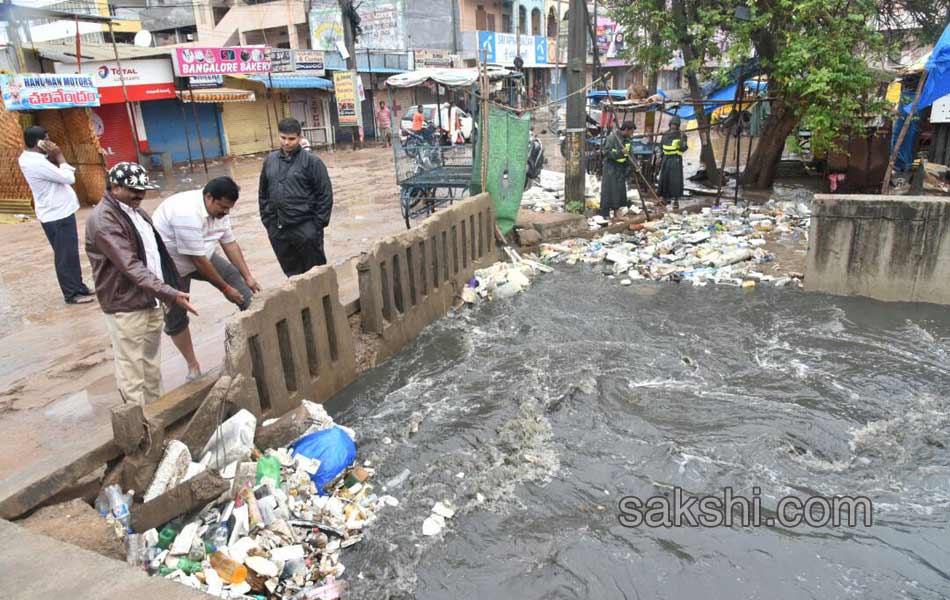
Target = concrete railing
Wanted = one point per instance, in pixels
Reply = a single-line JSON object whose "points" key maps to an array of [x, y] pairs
{"points": [[411, 279], [295, 341], [894, 248]]}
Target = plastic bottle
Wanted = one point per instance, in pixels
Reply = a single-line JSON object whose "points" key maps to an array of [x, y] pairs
{"points": [[188, 566], [166, 536], [230, 570], [253, 511], [268, 468], [118, 504], [218, 538], [135, 550], [197, 551]]}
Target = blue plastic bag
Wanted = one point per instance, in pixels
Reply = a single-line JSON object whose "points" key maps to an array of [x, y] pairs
{"points": [[332, 447]]}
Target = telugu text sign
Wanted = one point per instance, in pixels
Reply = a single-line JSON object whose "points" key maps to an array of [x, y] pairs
{"points": [[235, 60], [37, 91]]}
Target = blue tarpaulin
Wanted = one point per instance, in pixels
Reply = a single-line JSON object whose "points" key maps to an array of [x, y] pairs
{"points": [[688, 112], [938, 73], [615, 94]]}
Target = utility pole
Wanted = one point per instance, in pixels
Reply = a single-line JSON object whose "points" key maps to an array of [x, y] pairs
{"points": [[346, 8], [576, 121]]}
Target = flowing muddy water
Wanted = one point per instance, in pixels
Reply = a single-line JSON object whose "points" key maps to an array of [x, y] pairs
{"points": [[535, 415]]}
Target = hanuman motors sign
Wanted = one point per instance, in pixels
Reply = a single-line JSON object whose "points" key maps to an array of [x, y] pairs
{"points": [[33, 91]]}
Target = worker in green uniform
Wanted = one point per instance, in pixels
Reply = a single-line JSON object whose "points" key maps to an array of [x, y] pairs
{"points": [[673, 145], [613, 187]]}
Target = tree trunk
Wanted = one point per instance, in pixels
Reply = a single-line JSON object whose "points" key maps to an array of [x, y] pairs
{"points": [[760, 172], [706, 154]]}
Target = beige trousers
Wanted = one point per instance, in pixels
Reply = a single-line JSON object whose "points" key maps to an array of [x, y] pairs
{"points": [[136, 342]]}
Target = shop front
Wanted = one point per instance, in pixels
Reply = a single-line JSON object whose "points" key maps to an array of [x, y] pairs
{"points": [[146, 80]]}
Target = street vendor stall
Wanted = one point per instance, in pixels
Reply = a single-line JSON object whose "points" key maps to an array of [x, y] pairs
{"points": [[430, 169]]}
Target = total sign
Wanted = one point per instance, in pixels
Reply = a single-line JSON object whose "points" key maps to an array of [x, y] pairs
{"points": [[502, 48], [145, 79]]}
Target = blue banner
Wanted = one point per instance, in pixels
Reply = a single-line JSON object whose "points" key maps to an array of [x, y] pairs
{"points": [[37, 91], [486, 46]]}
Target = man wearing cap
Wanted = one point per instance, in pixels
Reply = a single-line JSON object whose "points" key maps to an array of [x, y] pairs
{"points": [[673, 145], [134, 276]]}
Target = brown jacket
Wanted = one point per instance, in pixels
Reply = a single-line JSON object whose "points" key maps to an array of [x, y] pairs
{"points": [[117, 255]]}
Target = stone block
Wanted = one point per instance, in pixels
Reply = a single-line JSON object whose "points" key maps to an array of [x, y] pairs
{"points": [[184, 498]]}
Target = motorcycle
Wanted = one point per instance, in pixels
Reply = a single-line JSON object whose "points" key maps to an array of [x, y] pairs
{"points": [[535, 160]]}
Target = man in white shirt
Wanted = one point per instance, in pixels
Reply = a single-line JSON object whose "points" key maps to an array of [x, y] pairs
{"points": [[50, 178], [193, 225]]}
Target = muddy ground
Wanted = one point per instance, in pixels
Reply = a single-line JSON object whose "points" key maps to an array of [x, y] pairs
{"points": [[56, 374]]}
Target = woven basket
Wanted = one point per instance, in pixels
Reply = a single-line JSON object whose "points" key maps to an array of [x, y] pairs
{"points": [[15, 195], [72, 130]]}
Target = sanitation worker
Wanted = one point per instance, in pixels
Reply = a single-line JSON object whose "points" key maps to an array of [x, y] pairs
{"points": [[673, 145], [613, 187]]}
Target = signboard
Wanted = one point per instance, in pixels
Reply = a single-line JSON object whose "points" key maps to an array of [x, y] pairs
{"points": [[381, 22], [309, 61], [36, 91], [610, 39], [233, 60], [435, 58], [501, 48], [145, 79], [940, 111], [281, 61], [347, 103], [200, 82], [326, 26]]}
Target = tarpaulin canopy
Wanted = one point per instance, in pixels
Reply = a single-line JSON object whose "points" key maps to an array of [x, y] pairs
{"points": [[288, 81], [938, 73], [687, 112], [446, 76], [216, 95]]}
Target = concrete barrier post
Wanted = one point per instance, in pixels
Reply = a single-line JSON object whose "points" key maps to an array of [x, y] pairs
{"points": [[893, 248]]}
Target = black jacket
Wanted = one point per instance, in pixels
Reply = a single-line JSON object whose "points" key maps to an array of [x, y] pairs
{"points": [[294, 189]]}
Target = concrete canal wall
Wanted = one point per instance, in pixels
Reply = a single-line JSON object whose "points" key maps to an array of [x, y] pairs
{"points": [[892, 248]]}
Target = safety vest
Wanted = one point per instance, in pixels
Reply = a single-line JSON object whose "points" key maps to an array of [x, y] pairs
{"points": [[673, 149]]}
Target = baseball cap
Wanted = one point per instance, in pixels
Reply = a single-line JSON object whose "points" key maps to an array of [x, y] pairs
{"points": [[131, 175]]}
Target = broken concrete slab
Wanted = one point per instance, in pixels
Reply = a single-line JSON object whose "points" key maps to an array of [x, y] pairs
{"points": [[184, 498], [552, 226], [209, 415], [129, 427], [282, 431]]}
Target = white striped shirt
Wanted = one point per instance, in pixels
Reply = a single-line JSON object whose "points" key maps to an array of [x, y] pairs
{"points": [[188, 230]]}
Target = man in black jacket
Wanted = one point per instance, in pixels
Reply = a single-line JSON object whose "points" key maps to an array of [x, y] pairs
{"points": [[296, 198]]}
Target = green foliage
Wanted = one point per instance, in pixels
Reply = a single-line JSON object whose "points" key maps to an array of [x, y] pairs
{"points": [[817, 53], [574, 206]]}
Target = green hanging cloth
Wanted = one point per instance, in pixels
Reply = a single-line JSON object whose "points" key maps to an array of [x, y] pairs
{"points": [[508, 136]]}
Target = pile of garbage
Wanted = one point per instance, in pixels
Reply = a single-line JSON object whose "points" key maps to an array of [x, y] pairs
{"points": [[502, 279], [279, 528], [718, 245], [548, 194]]}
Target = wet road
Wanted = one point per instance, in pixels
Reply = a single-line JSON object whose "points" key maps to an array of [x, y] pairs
{"points": [[537, 414], [57, 381]]}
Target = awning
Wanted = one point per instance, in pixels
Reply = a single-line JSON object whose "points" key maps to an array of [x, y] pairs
{"points": [[446, 76], [720, 98], [288, 81], [216, 95]]}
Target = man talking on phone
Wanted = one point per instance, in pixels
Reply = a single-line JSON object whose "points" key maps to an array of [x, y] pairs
{"points": [[51, 178]]}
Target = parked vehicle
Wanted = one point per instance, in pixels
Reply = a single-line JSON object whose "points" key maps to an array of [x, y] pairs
{"points": [[535, 160], [465, 120]]}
